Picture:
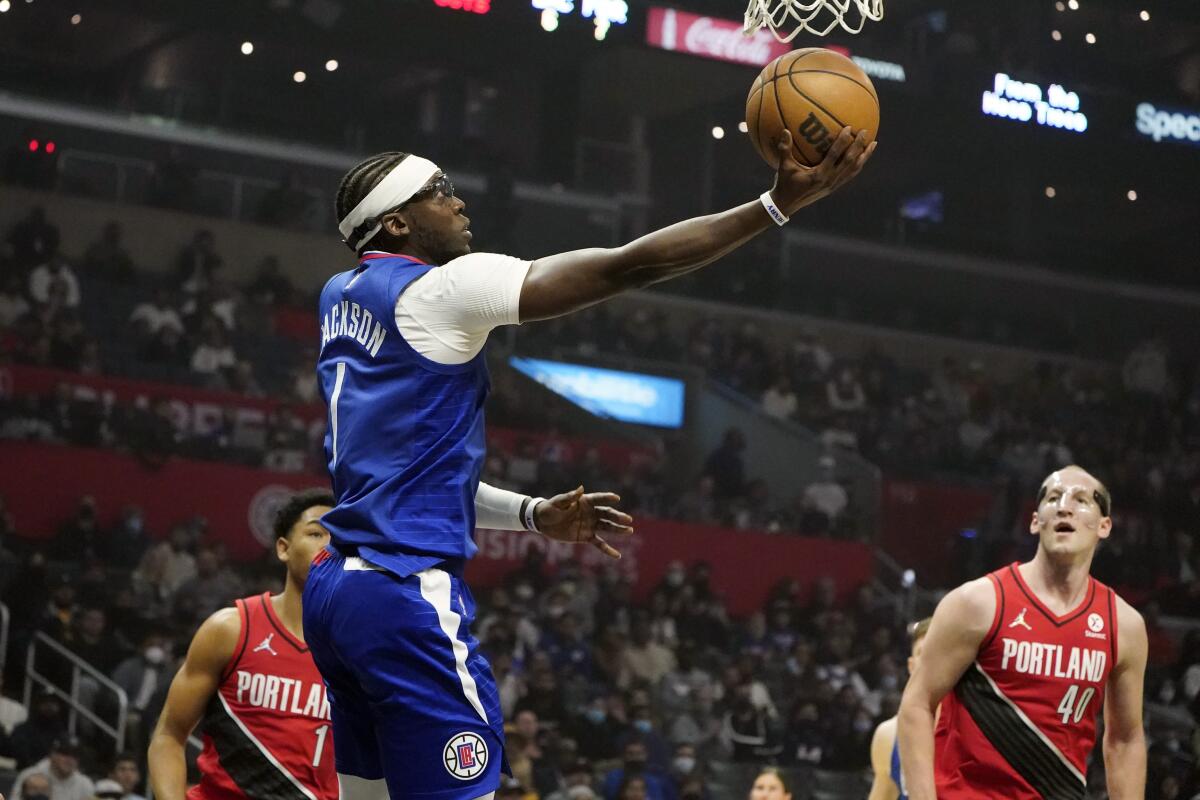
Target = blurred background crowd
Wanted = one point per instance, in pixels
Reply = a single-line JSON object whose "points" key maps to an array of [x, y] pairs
{"points": [[873, 395], [598, 686]]}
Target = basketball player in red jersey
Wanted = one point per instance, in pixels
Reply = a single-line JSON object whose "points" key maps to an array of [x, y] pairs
{"points": [[250, 684], [1021, 661]]}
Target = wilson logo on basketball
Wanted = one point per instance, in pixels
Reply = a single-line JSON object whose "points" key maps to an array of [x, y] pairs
{"points": [[815, 133]]}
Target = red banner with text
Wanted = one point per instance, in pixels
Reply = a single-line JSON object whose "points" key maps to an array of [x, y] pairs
{"points": [[42, 485]]}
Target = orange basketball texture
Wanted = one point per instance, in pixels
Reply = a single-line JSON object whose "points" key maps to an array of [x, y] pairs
{"points": [[813, 92]]}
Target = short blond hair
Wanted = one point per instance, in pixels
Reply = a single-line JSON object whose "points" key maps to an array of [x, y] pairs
{"points": [[918, 629]]}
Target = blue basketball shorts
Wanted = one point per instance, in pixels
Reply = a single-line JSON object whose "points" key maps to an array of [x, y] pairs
{"points": [[413, 700]]}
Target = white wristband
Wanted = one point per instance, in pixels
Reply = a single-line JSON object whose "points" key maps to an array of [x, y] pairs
{"points": [[530, 525], [776, 213]]}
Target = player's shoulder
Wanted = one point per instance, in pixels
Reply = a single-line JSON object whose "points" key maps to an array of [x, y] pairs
{"points": [[977, 595], [885, 734], [970, 606], [481, 261], [217, 638], [882, 743]]}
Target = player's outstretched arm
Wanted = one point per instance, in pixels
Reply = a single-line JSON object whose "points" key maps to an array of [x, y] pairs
{"points": [[882, 785], [557, 285], [193, 686], [1124, 737], [960, 624]]}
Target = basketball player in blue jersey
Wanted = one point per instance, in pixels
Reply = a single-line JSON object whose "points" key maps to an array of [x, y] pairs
{"points": [[888, 783], [402, 369]]}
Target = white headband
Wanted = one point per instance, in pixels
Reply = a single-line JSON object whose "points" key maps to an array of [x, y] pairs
{"points": [[405, 180]]}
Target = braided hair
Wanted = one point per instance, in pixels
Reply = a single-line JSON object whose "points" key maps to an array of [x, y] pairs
{"points": [[357, 184]]}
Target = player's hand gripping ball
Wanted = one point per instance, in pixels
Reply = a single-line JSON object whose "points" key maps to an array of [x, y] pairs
{"points": [[812, 114]]}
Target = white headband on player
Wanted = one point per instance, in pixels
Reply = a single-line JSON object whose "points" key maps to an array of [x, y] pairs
{"points": [[405, 180]]}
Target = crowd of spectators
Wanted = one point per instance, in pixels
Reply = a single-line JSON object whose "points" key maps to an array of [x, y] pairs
{"points": [[598, 687], [1141, 420], [602, 693]]}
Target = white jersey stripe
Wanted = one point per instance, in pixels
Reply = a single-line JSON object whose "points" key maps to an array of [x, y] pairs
{"points": [[333, 409], [1029, 724], [266, 753], [435, 588]]}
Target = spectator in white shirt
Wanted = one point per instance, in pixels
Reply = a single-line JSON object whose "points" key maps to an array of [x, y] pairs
{"points": [[825, 494], [152, 316], [12, 713], [811, 358], [213, 356], [845, 393], [61, 769], [779, 400], [45, 275]]}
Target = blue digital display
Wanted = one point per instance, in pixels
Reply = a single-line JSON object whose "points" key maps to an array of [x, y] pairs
{"points": [[610, 393]]}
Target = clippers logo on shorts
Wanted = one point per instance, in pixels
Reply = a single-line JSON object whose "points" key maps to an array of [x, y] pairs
{"points": [[465, 755]]}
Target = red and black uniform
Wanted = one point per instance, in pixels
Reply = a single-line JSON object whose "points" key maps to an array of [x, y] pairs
{"points": [[1022, 720], [267, 731]]}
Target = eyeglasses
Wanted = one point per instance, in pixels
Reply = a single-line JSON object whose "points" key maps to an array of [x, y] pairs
{"points": [[440, 185]]}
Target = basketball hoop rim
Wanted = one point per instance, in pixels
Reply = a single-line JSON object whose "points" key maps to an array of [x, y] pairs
{"points": [[778, 15]]}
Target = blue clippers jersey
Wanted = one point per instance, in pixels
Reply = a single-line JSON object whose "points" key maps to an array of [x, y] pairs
{"points": [[897, 773], [405, 444]]}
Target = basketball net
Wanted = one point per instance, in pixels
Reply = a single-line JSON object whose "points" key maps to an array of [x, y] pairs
{"points": [[787, 18]]}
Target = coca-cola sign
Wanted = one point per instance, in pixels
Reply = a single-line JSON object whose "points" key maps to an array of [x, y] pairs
{"points": [[724, 40], [711, 37]]}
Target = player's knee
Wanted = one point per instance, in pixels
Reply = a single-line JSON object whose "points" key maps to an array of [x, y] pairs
{"points": [[353, 788]]}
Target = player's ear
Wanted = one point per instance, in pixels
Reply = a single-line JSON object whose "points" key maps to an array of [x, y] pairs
{"points": [[395, 225], [1034, 523], [1105, 529], [282, 546]]}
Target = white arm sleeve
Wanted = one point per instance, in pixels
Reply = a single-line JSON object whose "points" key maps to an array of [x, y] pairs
{"points": [[447, 313], [498, 509]]}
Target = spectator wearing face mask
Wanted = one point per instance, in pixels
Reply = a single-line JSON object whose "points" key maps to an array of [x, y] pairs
{"points": [[64, 781], [643, 729], [127, 542], [142, 675], [596, 730], [686, 774], [35, 786]]}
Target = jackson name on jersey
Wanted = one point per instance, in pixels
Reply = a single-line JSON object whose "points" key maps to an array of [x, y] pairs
{"points": [[349, 319]]}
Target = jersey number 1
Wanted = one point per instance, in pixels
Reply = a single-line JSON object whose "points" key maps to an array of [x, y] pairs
{"points": [[321, 732], [1074, 703], [333, 409]]}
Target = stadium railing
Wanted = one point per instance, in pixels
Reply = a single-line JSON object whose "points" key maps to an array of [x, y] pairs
{"points": [[80, 670]]}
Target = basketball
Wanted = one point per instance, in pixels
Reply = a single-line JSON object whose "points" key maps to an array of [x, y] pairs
{"points": [[814, 93]]}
